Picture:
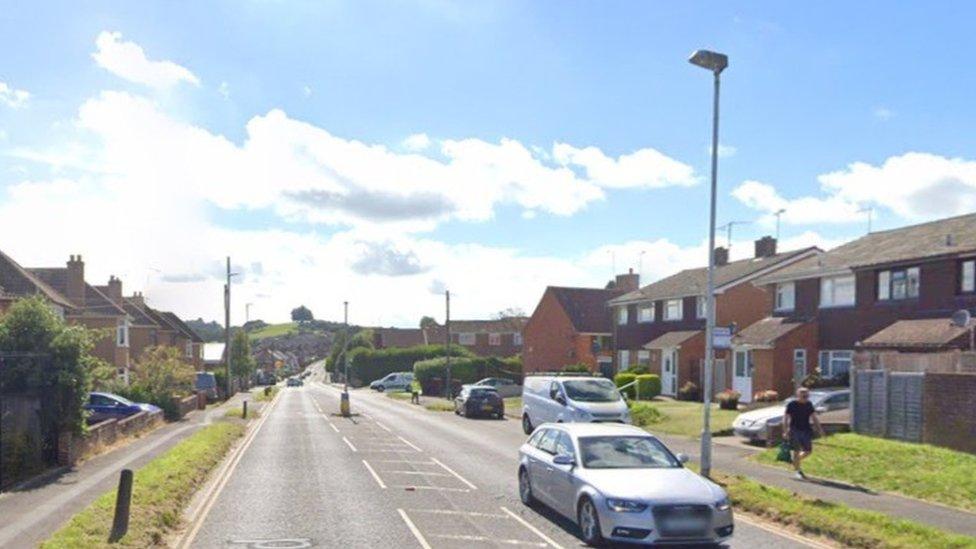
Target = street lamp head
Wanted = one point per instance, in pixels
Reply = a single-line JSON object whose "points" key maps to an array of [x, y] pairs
{"points": [[780, 211], [713, 61]]}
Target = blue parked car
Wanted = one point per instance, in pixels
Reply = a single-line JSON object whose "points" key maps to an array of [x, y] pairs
{"points": [[102, 406]]}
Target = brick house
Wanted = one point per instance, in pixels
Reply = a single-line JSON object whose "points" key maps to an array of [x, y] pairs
{"points": [[661, 326], [573, 326], [869, 294], [17, 282], [500, 337], [386, 338]]}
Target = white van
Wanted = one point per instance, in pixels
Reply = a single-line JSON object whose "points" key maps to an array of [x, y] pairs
{"points": [[397, 381], [566, 399]]}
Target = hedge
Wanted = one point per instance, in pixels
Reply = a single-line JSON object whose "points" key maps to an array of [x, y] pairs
{"points": [[467, 370], [367, 365], [623, 378], [649, 386]]}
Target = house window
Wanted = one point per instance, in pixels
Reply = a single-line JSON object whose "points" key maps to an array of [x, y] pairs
{"points": [[898, 284], [622, 316], [189, 349], [800, 359], [700, 303], [785, 296], [645, 313], [835, 363], [494, 339], [517, 339], [837, 291], [623, 360], [672, 309], [643, 358], [968, 282], [466, 339], [122, 333]]}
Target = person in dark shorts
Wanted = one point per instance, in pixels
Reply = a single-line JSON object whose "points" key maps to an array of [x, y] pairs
{"points": [[798, 422]]}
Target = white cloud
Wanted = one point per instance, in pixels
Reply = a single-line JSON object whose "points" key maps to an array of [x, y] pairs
{"points": [[224, 90], [883, 113], [646, 168], [417, 142], [12, 97], [724, 151], [307, 91], [128, 60]]}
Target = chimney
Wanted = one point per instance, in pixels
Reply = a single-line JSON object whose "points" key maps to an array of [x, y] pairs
{"points": [[721, 256], [75, 287], [138, 299], [766, 247], [114, 289], [627, 282]]}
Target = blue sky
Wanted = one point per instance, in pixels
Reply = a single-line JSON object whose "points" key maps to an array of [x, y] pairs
{"points": [[810, 91]]}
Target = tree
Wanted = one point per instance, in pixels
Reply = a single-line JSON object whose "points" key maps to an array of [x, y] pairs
{"points": [[302, 314], [164, 372], [427, 322], [362, 338], [511, 312], [242, 364]]}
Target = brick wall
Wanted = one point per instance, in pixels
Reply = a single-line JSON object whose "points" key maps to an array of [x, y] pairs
{"points": [[781, 379], [949, 406], [549, 337]]}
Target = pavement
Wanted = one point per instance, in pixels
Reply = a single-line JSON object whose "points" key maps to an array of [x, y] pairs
{"points": [[31, 514], [390, 476]]}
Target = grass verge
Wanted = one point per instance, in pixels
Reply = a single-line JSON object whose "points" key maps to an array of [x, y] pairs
{"points": [[438, 405], [238, 413], [398, 395], [681, 418], [917, 470], [513, 406], [261, 396], [844, 525], [161, 490]]}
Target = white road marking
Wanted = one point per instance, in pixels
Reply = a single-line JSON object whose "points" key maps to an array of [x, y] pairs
{"points": [[334, 428], [413, 529], [453, 472], [408, 443], [375, 476], [424, 473], [782, 533], [534, 530], [403, 461], [384, 427], [491, 540], [349, 444], [453, 512]]}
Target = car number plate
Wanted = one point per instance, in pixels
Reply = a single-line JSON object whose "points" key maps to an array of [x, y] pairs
{"points": [[487, 407], [683, 525]]}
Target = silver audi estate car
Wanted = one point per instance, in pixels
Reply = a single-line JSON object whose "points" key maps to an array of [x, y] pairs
{"points": [[621, 484]]}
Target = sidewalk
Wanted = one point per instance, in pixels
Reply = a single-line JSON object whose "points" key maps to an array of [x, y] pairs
{"points": [[32, 514], [728, 458]]}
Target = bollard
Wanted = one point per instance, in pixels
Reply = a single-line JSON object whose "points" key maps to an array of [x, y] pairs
{"points": [[344, 404], [244, 413], [123, 500]]}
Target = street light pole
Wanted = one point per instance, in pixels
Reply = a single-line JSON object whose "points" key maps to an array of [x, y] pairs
{"points": [[227, 329], [345, 347], [715, 62], [778, 213], [447, 346]]}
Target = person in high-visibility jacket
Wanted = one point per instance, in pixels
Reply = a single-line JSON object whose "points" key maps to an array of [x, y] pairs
{"points": [[415, 392]]}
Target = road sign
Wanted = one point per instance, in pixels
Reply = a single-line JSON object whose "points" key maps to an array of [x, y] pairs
{"points": [[722, 337]]}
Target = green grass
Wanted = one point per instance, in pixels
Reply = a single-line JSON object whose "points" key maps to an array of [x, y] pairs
{"points": [[273, 330], [844, 525], [917, 470], [513, 406], [161, 490], [644, 414], [260, 395], [439, 405], [399, 395], [685, 418], [238, 413]]}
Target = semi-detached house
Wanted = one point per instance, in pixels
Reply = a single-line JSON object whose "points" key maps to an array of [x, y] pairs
{"points": [[661, 326], [895, 288]]}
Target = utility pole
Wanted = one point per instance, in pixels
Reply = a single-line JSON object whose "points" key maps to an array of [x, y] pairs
{"points": [[778, 213], [728, 231], [227, 328], [247, 312], [870, 211], [345, 347], [447, 346]]}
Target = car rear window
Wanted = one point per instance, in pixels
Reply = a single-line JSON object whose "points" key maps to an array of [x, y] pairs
{"points": [[483, 391]]}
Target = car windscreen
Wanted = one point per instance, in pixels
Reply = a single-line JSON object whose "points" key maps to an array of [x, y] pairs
{"points": [[625, 452], [591, 390], [483, 392]]}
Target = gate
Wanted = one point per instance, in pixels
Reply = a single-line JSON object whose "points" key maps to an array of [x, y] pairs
{"points": [[904, 421]]}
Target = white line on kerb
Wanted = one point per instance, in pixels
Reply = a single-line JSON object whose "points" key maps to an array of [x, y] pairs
{"points": [[535, 530], [375, 476], [453, 472], [413, 529], [408, 443], [349, 444]]}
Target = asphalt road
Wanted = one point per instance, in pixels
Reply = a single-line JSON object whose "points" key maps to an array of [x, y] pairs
{"points": [[391, 476]]}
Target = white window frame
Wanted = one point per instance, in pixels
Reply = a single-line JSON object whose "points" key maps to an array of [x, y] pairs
{"points": [[828, 358], [899, 284], [467, 338], [967, 276], [700, 304], [517, 339], [800, 358], [884, 285], [667, 309], [643, 357], [623, 359], [786, 296], [623, 316], [495, 340], [828, 291], [122, 333], [648, 308]]}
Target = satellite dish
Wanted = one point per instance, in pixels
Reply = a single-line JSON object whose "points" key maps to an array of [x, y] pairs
{"points": [[961, 318]]}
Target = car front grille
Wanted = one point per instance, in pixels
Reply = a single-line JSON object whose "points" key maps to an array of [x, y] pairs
{"points": [[683, 521]]}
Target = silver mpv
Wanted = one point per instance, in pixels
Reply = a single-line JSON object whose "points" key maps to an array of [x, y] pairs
{"points": [[620, 483]]}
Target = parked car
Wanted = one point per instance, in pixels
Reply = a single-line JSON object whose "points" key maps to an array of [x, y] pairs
{"points": [[506, 387], [397, 381], [564, 399], [621, 484], [754, 424], [207, 383], [475, 400], [295, 382], [102, 406]]}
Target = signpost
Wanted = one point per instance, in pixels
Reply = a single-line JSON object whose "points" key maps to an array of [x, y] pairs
{"points": [[722, 337]]}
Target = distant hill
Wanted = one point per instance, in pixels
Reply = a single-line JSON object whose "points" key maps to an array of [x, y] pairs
{"points": [[209, 331]]}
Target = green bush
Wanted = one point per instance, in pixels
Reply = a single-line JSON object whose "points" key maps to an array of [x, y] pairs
{"points": [[638, 369], [648, 385], [623, 378], [367, 364], [643, 414], [576, 368], [466, 369], [689, 391]]}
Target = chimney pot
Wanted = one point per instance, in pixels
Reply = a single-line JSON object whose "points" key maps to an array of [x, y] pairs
{"points": [[721, 256], [765, 247]]}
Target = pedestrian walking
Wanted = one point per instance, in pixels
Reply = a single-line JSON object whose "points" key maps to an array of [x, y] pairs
{"points": [[799, 420], [415, 392]]}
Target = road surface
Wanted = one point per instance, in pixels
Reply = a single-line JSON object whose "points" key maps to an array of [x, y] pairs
{"points": [[391, 476]]}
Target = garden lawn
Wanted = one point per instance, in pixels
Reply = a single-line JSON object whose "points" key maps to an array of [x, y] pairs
{"points": [[438, 405], [273, 330], [161, 490], [918, 470], [685, 418], [513, 406]]}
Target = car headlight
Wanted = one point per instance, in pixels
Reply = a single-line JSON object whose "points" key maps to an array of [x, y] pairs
{"points": [[625, 506], [723, 504]]}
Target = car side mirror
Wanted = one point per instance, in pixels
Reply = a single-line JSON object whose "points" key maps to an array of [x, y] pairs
{"points": [[683, 458], [564, 459], [561, 399]]}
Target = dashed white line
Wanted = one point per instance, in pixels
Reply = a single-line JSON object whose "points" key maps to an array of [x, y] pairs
{"points": [[349, 444], [461, 537], [375, 476], [404, 461], [453, 472], [413, 529], [534, 530], [384, 427], [408, 443], [334, 428]]}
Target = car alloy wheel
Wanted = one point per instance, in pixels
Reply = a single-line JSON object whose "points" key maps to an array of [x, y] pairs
{"points": [[589, 523], [525, 488], [526, 424]]}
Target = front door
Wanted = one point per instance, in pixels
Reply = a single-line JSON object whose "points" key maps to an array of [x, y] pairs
{"points": [[742, 375], [799, 366], [669, 371]]}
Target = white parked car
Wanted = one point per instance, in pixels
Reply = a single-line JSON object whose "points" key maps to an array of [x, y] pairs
{"points": [[754, 423], [397, 381], [506, 387], [621, 484], [565, 399]]}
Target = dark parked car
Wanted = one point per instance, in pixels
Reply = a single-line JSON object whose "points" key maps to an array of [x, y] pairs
{"points": [[295, 382], [479, 401], [102, 406], [207, 383]]}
